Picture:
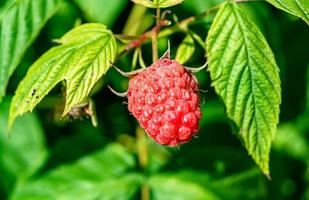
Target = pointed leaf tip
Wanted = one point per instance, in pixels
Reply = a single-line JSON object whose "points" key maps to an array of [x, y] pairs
{"points": [[299, 8], [245, 74]]}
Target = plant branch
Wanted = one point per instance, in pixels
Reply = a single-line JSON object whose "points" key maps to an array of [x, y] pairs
{"points": [[142, 38], [158, 14], [155, 33], [145, 193]]}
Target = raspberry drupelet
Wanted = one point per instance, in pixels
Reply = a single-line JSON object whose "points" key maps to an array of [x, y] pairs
{"points": [[164, 99]]}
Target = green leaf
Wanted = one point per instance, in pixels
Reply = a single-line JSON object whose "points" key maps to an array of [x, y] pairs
{"points": [[290, 133], [299, 8], [85, 138], [20, 23], [102, 11], [248, 184], [172, 187], [307, 90], [146, 3], [240, 185], [158, 157], [157, 3], [102, 175], [244, 73], [185, 50], [199, 6], [82, 58], [23, 153]]}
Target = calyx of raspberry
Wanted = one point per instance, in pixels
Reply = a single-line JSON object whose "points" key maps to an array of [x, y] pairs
{"points": [[164, 99]]}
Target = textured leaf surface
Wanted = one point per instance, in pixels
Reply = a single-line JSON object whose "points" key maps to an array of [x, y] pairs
{"points": [[185, 50], [157, 3], [20, 23], [23, 153], [244, 73], [298, 8], [82, 58], [102, 175]]}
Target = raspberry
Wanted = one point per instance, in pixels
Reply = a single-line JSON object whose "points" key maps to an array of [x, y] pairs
{"points": [[164, 100]]}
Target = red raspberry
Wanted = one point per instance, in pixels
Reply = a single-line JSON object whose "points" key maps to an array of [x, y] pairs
{"points": [[165, 101]]}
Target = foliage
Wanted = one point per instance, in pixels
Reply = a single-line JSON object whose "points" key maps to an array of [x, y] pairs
{"points": [[185, 50], [299, 8], [237, 67], [82, 58], [157, 3], [20, 24], [257, 83]]}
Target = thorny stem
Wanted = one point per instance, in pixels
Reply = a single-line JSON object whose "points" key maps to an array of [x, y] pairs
{"points": [[182, 25], [154, 34], [140, 39]]}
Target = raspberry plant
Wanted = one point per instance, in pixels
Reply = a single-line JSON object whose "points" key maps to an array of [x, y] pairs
{"points": [[238, 86]]}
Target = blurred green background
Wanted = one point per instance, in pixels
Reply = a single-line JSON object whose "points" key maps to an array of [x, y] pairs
{"points": [[49, 159]]}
